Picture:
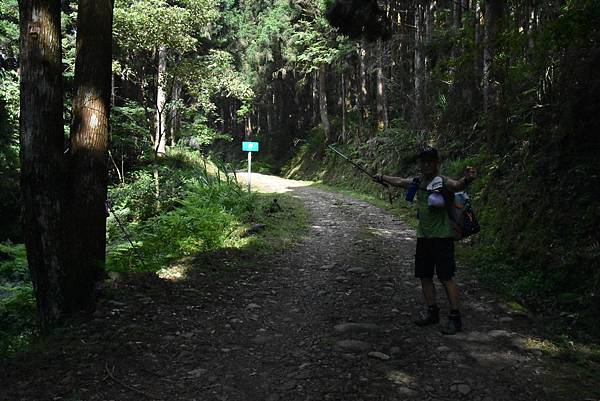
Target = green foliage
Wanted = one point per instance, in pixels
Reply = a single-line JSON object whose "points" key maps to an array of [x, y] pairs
{"points": [[204, 72], [17, 302], [198, 209], [9, 31], [147, 24], [9, 123], [205, 220], [316, 44], [214, 75]]}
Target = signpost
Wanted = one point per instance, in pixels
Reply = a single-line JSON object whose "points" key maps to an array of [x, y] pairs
{"points": [[250, 147]]}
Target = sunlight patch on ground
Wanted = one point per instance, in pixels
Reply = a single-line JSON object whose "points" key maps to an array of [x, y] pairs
{"points": [[270, 183], [399, 377], [493, 358], [379, 232], [531, 343], [177, 272]]}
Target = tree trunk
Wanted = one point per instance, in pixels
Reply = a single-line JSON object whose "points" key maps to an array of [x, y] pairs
{"points": [[270, 112], [315, 96], [419, 66], [343, 102], [457, 13], [175, 122], [481, 19], [380, 101], [160, 143], [492, 73], [41, 154], [362, 53], [429, 20], [89, 150], [323, 102]]}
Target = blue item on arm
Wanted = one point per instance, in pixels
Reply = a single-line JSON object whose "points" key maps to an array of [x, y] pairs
{"points": [[412, 189]]}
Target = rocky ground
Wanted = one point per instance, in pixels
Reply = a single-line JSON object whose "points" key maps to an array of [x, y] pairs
{"points": [[330, 318]]}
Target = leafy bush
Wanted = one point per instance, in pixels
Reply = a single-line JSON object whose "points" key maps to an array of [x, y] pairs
{"points": [[199, 208], [17, 302]]}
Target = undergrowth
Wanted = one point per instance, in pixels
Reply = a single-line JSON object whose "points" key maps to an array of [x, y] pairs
{"points": [[198, 206], [17, 302]]}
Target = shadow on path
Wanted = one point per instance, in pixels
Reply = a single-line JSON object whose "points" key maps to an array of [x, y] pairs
{"points": [[330, 318]]}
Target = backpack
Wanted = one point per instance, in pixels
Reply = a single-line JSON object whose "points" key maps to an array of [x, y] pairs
{"points": [[462, 216]]}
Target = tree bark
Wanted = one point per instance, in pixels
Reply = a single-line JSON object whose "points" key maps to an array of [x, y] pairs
{"points": [[41, 154], [89, 151], [492, 73], [160, 143], [493, 25], [429, 21], [457, 13], [419, 67], [364, 104], [175, 122], [323, 102], [382, 120], [343, 103], [315, 96]]}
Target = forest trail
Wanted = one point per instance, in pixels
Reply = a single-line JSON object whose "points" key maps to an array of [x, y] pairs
{"points": [[330, 318]]}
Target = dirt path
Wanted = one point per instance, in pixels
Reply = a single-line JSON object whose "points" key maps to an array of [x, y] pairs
{"points": [[328, 319]]}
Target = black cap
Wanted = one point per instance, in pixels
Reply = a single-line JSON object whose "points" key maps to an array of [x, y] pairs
{"points": [[428, 153]]}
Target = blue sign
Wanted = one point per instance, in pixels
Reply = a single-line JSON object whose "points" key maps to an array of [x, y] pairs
{"points": [[250, 146]]}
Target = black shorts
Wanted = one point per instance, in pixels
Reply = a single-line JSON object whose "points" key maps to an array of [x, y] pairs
{"points": [[435, 255]]}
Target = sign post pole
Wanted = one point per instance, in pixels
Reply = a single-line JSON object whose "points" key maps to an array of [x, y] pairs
{"points": [[249, 171], [250, 147]]}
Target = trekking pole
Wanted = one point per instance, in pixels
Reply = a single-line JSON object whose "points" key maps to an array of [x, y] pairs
{"points": [[127, 236], [373, 177]]}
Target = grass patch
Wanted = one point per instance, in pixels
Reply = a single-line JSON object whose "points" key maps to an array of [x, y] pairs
{"points": [[282, 227]]}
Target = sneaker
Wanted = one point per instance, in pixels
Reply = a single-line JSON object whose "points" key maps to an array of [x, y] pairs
{"points": [[433, 317], [454, 325]]}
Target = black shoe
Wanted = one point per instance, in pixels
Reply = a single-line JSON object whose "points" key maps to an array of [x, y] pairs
{"points": [[433, 317], [454, 325]]}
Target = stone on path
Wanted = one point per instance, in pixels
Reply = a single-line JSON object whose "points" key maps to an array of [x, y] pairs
{"points": [[379, 355], [352, 345], [464, 389], [356, 327], [260, 339], [498, 333], [197, 372]]}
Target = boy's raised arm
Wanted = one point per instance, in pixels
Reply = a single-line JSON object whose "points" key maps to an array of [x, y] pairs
{"points": [[461, 184], [396, 181]]}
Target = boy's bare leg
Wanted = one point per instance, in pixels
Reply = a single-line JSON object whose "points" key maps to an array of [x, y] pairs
{"points": [[428, 291], [452, 293], [433, 312]]}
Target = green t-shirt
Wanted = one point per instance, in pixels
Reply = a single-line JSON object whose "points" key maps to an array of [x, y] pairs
{"points": [[434, 222]]}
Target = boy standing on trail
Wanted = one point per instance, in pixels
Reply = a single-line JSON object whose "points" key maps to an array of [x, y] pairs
{"points": [[435, 235]]}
